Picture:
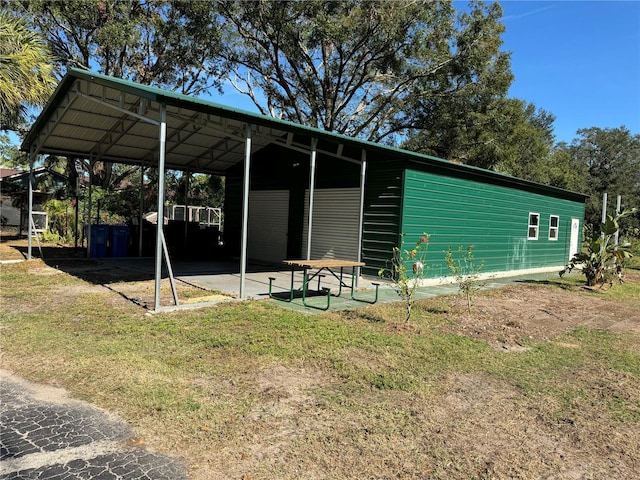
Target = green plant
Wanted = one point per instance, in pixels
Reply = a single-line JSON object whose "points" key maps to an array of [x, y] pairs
{"points": [[49, 236], [61, 220], [405, 281], [465, 271], [600, 258]]}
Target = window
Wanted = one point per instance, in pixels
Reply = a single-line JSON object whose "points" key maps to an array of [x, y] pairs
{"points": [[554, 221], [534, 224]]}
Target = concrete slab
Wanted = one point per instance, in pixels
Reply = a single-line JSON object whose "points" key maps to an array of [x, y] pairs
{"points": [[224, 277]]}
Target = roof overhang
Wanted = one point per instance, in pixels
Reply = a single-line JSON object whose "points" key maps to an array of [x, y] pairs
{"points": [[103, 118]]}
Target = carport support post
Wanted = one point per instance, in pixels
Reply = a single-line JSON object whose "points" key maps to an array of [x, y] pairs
{"points": [[89, 206], [245, 208], [185, 241], [363, 177], [160, 218], [30, 200], [312, 186], [141, 211]]}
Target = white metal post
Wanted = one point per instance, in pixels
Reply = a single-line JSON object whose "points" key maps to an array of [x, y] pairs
{"points": [[363, 176], [312, 186], [604, 210], [245, 209], [618, 205], [160, 218]]}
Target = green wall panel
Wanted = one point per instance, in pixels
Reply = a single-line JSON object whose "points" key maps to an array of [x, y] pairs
{"points": [[382, 214], [492, 218]]}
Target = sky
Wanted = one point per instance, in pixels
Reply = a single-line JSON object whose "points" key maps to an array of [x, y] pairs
{"points": [[579, 60]]}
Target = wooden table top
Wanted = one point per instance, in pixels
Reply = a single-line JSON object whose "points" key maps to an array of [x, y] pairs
{"points": [[324, 263]]}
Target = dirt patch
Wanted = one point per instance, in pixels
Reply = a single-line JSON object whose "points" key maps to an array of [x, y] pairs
{"points": [[512, 316]]}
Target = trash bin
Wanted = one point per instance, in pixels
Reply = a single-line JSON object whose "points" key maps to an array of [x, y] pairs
{"points": [[119, 240], [98, 241]]}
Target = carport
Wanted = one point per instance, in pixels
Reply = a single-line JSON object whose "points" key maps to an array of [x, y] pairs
{"points": [[100, 118]]}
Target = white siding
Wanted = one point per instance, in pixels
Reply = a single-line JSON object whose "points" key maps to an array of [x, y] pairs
{"points": [[335, 223], [268, 225]]}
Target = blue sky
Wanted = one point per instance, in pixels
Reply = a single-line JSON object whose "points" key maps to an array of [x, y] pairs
{"points": [[579, 60]]}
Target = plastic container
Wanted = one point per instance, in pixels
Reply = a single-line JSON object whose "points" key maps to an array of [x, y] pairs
{"points": [[98, 241], [119, 240]]}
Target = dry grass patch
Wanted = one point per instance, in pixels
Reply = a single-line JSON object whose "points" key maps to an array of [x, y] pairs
{"points": [[250, 389]]}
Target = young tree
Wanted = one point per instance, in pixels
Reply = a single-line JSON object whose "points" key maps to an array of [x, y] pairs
{"points": [[366, 68], [26, 74], [405, 281]]}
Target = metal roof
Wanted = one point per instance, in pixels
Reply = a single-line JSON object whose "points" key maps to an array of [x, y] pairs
{"points": [[105, 118]]}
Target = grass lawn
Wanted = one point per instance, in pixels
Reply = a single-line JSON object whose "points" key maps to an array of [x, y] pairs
{"points": [[540, 380]]}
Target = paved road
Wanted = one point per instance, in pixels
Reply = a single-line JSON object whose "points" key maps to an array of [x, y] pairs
{"points": [[46, 436]]}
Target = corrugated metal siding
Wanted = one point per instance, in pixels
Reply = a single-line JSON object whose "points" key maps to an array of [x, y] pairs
{"points": [[382, 214], [268, 222], [232, 214], [494, 219], [335, 223]]}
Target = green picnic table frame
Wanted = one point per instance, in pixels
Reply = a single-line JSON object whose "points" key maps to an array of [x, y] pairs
{"points": [[328, 266]]}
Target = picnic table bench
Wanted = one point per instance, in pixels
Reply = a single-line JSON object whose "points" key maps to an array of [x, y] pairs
{"points": [[329, 266]]}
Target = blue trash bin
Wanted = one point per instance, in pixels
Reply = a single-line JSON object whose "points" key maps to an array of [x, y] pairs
{"points": [[98, 241], [119, 240]]}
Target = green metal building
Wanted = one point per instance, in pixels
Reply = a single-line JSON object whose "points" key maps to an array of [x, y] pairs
{"points": [[296, 192], [514, 225]]}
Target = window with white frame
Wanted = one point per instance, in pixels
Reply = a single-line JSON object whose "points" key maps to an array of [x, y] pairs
{"points": [[554, 222], [534, 226]]}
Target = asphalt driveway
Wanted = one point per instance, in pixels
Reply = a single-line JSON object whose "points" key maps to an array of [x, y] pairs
{"points": [[45, 436]]}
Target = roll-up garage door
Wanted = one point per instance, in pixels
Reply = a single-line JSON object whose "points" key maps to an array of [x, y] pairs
{"points": [[336, 213], [268, 225]]}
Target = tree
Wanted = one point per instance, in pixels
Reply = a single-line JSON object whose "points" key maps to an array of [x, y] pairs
{"points": [[611, 157], [159, 42], [504, 134], [563, 171], [26, 74], [166, 43], [362, 67], [10, 154], [203, 190]]}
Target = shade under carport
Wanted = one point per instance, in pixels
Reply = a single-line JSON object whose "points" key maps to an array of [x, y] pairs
{"points": [[102, 118]]}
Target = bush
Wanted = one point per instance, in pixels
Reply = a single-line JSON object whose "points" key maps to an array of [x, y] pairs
{"points": [[601, 259]]}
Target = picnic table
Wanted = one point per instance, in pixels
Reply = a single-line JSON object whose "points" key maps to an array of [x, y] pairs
{"points": [[328, 266]]}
